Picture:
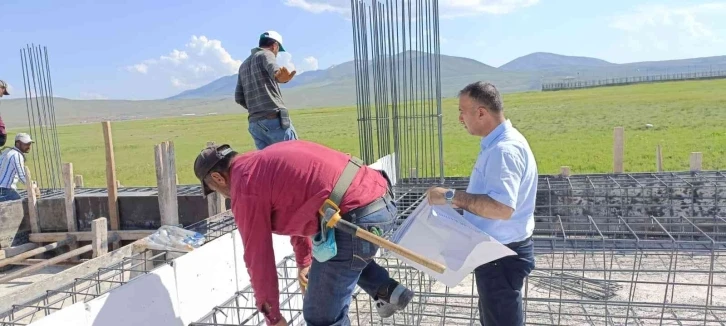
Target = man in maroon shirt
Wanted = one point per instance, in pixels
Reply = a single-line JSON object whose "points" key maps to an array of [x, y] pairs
{"points": [[3, 133], [280, 190]]}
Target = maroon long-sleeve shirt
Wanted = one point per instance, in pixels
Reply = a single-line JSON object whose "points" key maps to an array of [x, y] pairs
{"points": [[279, 190], [2, 127]]}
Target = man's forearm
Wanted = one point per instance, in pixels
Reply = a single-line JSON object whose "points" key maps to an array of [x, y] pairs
{"points": [[482, 205]]}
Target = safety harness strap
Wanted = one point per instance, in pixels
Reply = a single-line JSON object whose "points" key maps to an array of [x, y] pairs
{"points": [[345, 179]]}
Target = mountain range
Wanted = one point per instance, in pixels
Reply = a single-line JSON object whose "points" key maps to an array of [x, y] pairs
{"points": [[336, 86]]}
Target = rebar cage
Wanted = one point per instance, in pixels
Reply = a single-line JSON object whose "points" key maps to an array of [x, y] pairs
{"points": [[624, 266]]}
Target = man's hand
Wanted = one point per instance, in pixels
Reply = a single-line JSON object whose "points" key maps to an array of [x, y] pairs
{"points": [[436, 195], [302, 277], [282, 322], [284, 76]]}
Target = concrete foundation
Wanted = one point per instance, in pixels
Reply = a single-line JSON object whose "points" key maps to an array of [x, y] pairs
{"points": [[138, 210]]}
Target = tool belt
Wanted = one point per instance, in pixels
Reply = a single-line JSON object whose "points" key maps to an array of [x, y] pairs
{"points": [[280, 114], [324, 247]]}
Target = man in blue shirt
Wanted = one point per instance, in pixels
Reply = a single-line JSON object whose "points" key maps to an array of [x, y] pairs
{"points": [[499, 200]]}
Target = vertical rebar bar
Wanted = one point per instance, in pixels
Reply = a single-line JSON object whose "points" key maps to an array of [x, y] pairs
{"points": [[404, 83], [42, 125]]}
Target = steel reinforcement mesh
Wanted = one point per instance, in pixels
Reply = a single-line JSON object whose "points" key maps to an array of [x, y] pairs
{"points": [[107, 278], [640, 249], [630, 249]]}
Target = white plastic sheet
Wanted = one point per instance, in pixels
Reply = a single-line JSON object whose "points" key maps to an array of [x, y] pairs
{"points": [[443, 235]]}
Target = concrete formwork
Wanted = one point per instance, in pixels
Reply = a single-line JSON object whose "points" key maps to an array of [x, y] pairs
{"points": [[625, 266]]}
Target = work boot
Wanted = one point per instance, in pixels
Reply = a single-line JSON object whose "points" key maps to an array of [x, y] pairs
{"points": [[391, 298]]}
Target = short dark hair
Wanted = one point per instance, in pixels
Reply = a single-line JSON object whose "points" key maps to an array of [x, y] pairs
{"points": [[486, 94], [266, 42]]}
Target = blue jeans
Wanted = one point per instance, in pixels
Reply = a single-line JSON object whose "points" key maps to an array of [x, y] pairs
{"points": [[8, 194], [268, 131], [499, 284], [331, 284]]}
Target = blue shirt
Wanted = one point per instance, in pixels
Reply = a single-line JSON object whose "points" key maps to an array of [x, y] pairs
{"points": [[506, 171]]}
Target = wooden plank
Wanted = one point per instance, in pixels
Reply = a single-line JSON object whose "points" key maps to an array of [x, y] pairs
{"points": [[70, 197], [79, 181], [39, 266], [618, 149], [65, 277], [17, 250], [33, 261], [37, 251], [124, 235], [111, 184], [172, 199], [658, 159], [99, 231], [696, 161], [32, 202]]}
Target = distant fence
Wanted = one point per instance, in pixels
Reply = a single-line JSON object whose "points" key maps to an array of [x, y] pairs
{"points": [[632, 80]]}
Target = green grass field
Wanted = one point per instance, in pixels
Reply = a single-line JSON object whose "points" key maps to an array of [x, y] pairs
{"points": [[573, 128]]}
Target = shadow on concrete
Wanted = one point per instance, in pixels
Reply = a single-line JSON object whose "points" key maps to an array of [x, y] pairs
{"points": [[144, 301]]}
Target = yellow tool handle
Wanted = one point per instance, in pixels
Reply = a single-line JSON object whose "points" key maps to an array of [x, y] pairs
{"points": [[383, 243]]}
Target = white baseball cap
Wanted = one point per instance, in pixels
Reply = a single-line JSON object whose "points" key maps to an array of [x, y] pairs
{"points": [[275, 36], [23, 138]]}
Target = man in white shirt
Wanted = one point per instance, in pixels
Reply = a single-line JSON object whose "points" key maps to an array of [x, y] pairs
{"points": [[12, 167]]}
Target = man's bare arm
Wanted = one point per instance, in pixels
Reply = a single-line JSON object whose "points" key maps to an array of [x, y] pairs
{"points": [[482, 205]]}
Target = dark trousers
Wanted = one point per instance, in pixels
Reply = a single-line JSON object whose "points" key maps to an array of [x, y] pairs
{"points": [[8, 194], [499, 284]]}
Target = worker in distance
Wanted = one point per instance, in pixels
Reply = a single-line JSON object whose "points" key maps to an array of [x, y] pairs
{"points": [[258, 91]]}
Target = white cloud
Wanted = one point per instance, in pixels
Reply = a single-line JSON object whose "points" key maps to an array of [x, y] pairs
{"points": [[680, 30], [447, 8], [317, 7], [285, 59], [201, 61], [139, 67], [92, 96], [458, 8], [310, 63]]}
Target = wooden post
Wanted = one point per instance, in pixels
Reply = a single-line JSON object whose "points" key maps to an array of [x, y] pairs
{"points": [[658, 159], [696, 161], [618, 149], [79, 181], [32, 202], [215, 202], [565, 171], [100, 237], [111, 180], [70, 203], [70, 197], [166, 183]]}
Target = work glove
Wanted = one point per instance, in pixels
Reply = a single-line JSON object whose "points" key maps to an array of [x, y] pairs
{"points": [[284, 76]]}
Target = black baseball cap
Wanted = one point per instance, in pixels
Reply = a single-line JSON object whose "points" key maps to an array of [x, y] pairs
{"points": [[206, 160]]}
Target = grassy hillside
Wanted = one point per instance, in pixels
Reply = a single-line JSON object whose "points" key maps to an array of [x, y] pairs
{"points": [[572, 128]]}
